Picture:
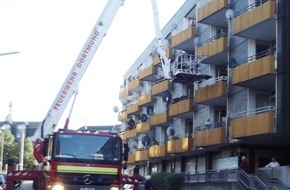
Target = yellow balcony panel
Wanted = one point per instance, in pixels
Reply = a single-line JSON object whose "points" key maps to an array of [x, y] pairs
{"points": [[213, 13], [209, 137], [160, 86], [131, 159], [179, 145], [181, 108], [134, 85], [260, 71], [133, 109], [142, 155], [122, 116], [216, 51], [143, 127], [255, 23], [262, 123], [145, 100], [147, 73], [156, 60], [123, 94], [130, 133], [211, 92], [157, 151], [159, 119], [184, 37]]}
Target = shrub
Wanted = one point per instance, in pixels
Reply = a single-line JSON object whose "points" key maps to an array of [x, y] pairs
{"points": [[167, 181]]}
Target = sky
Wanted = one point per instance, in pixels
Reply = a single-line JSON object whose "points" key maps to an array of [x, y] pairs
{"points": [[49, 35]]}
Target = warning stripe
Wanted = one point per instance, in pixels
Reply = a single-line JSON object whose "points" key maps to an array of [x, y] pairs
{"points": [[88, 170]]}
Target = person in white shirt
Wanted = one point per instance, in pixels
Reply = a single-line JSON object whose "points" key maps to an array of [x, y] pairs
{"points": [[273, 164]]}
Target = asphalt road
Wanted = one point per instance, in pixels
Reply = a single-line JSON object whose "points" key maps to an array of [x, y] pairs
{"points": [[27, 185]]}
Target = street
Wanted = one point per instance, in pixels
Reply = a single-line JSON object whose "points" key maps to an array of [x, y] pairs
{"points": [[26, 185]]}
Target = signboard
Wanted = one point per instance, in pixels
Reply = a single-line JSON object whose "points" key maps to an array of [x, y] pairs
{"points": [[228, 163]]}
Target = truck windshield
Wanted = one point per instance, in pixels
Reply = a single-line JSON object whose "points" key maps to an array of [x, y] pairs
{"points": [[87, 147]]}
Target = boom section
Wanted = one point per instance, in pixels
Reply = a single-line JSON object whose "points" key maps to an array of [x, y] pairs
{"points": [[83, 60]]}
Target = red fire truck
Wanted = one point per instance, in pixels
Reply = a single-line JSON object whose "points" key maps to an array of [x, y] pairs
{"points": [[82, 160]]}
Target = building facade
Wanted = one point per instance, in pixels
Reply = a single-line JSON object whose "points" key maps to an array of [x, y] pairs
{"points": [[234, 105]]}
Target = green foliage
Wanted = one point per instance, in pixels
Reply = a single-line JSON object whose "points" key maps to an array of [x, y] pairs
{"points": [[167, 181], [173, 181], [10, 147], [11, 150], [28, 159], [158, 180]]}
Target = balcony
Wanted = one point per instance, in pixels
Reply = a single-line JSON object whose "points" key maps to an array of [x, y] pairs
{"points": [[156, 60], [212, 92], [179, 145], [133, 109], [257, 72], [147, 74], [213, 13], [143, 127], [134, 85], [209, 137], [142, 155], [215, 49], [254, 21], [122, 116], [159, 119], [130, 133], [160, 86], [183, 38], [123, 94], [157, 151], [253, 122], [182, 109], [131, 159], [145, 100]]}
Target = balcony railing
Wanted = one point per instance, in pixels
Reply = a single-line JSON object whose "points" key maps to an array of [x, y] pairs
{"points": [[254, 57], [134, 84], [122, 116], [212, 12], [160, 86], [181, 107], [148, 71], [123, 93], [211, 90], [252, 122], [156, 151], [145, 99], [142, 155], [211, 82], [250, 7], [209, 137], [143, 127], [179, 145], [183, 27], [159, 119], [249, 17], [209, 40], [253, 112], [130, 133]]}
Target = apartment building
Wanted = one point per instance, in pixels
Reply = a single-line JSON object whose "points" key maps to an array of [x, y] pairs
{"points": [[235, 105]]}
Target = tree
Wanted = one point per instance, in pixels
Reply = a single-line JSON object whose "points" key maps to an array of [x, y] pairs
{"points": [[28, 159], [12, 150], [10, 147]]}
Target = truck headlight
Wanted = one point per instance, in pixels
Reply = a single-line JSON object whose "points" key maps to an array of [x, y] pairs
{"points": [[114, 188], [57, 187]]}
